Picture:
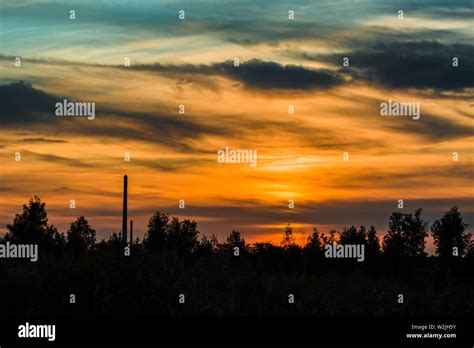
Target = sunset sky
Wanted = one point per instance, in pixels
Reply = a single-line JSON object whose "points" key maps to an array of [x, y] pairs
{"points": [[190, 62]]}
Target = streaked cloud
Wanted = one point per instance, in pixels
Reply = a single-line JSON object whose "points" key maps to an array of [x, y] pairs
{"points": [[256, 73]]}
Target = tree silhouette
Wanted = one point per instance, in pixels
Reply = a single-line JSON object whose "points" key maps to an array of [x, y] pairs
{"points": [[235, 240], [80, 236], [207, 246], [449, 232], [373, 243], [313, 249], [353, 236], [314, 242], [330, 238], [163, 233], [181, 236], [417, 232], [31, 227], [406, 235], [288, 239], [470, 249], [155, 238]]}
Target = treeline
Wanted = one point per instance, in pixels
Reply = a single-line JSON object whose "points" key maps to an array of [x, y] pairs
{"points": [[173, 261], [405, 237]]}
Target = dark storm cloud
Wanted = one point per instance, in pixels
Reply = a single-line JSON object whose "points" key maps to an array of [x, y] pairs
{"points": [[21, 103], [257, 74], [33, 110], [253, 73], [397, 64], [37, 117], [421, 64]]}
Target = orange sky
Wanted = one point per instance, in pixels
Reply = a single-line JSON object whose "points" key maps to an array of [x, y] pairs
{"points": [[173, 156]]}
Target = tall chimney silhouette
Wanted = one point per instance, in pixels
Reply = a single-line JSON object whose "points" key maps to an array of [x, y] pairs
{"points": [[124, 211], [131, 232]]}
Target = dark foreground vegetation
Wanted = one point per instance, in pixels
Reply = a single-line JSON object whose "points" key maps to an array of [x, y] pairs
{"points": [[115, 279]]}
